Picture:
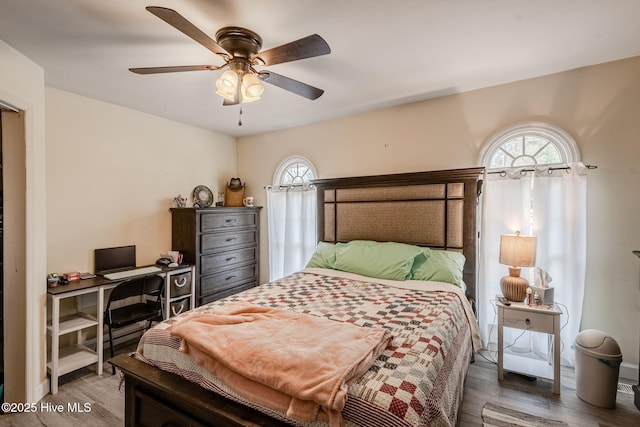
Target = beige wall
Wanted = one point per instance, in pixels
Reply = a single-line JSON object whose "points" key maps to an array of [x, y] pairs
{"points": [[598, 106], [112, 174], [22, 86]]}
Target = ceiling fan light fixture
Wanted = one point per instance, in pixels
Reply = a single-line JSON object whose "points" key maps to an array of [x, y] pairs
{"points": [[227, 84], [240, 49], [229, 78], [251, 88]]}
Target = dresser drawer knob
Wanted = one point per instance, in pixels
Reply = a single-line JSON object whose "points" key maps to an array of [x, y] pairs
{"points": [[231, 221], [231, 239], [231, 258], [181, 283], [230, 277]]}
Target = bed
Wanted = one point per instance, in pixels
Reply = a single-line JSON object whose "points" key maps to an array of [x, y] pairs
{"points": [[416, 380]]}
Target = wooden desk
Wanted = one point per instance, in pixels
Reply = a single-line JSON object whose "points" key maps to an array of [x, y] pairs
{"points": [[69, 359]]}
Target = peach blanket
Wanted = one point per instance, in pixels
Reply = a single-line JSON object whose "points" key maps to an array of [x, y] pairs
{"points": [[294, 363]]}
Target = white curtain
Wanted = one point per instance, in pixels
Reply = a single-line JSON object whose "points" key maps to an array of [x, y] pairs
{"points": [[551, 205], [291, 223]]}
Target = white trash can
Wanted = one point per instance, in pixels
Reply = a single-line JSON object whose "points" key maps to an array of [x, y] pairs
{"points": [[598, 360]]}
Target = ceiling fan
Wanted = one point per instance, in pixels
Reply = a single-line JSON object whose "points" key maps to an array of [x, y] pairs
{"points": [[240, 49]]}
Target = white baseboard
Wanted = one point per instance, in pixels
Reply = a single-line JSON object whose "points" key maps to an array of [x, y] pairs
{"points": [[42, 389], [629, 371]]}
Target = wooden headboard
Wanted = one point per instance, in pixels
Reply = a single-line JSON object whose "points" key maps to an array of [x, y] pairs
{"points": [[435, 209]]}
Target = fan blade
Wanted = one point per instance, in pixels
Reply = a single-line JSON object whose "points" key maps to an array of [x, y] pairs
{"points": [[291, 85], [307, 47], [176, 69], [180, 23]]}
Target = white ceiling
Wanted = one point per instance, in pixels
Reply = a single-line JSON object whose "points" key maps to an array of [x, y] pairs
{"points": [[384, 53]]}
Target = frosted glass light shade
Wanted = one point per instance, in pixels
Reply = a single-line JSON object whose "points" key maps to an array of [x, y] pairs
{"points": [[227, 85], [251, 88], [228, 79]]}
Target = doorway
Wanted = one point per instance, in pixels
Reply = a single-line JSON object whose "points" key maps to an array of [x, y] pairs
{"points": [[13, 251]]}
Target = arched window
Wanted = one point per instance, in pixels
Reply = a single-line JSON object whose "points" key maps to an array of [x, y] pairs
{"points": [[534, 184], [294, 171], [530, 144], [291, 216]]}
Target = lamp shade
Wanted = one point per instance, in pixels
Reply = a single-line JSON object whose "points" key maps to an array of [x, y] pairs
{"points": [[517, 250]]}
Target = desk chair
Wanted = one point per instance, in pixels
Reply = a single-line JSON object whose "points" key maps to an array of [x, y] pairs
{"points": [[142, 309]]}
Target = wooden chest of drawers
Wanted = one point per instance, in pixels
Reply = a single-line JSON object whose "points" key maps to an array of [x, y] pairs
{"points": [[223, 244]]}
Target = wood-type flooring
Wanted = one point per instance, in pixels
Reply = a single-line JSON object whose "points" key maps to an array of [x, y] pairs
{"points": [[105, 401]]}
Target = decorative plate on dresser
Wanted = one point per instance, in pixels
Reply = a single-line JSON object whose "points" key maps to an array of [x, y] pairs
{"points": [[202, 197]]}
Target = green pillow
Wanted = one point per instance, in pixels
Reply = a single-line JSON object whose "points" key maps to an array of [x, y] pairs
{"points": [[439, 266], [323, 257], [386, 260]]}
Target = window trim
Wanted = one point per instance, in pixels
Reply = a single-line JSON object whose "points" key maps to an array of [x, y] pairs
{"points": [[566, 145], [286, 163]]}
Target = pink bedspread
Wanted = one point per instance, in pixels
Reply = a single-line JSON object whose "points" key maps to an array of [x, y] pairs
{"points": [[295, 363]]}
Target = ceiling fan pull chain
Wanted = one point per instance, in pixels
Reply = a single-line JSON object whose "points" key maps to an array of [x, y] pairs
{"points": [[240, 118]]}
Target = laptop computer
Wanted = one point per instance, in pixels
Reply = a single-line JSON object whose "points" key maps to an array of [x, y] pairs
{"points": [[112, 260]]}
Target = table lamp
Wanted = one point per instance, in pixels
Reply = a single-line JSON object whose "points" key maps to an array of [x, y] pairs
{"points": [[516, 251]]}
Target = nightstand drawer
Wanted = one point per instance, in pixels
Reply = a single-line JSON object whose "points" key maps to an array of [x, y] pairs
{"points": [[529, 320]]}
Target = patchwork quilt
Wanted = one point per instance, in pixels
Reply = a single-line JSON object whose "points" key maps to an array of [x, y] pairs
{"points": [[417, 381]]}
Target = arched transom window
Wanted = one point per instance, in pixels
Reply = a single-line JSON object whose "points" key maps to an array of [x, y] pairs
{"points": [[530, 145], [294, 171]]}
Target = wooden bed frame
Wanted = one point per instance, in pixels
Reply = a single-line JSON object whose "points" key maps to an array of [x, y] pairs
{"points": [[435, 209]]}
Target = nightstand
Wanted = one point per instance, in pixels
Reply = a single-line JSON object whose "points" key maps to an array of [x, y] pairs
{"points": [[521, 316]]}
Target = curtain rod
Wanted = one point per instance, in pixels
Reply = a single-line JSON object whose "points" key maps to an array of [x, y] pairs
{"points": [[280, 187], [269, 187], [503, 172]]}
